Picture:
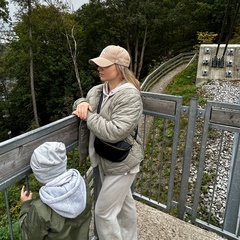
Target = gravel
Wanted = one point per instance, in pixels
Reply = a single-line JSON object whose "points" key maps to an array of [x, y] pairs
{"points": [[220, 91], [227, 92]]}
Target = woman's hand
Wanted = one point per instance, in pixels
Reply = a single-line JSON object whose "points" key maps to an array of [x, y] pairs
{"points": [[82, 110], [25, 195]]}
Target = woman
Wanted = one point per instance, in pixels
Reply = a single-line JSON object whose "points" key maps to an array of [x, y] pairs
{"points": [[120, 114]]}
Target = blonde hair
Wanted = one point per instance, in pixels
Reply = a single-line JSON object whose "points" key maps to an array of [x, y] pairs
{"points": [[128, 75]]}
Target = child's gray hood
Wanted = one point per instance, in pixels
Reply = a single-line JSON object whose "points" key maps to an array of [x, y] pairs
{"points": [[66, 194]]}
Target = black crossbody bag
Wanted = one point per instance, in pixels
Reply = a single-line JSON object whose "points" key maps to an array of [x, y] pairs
{"points": [[115, 152]]}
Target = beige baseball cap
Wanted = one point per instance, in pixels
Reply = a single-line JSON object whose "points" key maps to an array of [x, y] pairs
{"points": [[112, 55]]}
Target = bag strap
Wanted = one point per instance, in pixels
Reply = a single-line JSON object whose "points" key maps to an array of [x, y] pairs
{"points": [[100, 103], [135, 136], [98, 111]]}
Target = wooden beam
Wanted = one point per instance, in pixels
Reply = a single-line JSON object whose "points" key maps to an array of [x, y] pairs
{"points": [[15, 153], [225, 117]]}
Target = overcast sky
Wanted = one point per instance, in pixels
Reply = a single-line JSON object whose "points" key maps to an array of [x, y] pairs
{"points": [[76, 4]]}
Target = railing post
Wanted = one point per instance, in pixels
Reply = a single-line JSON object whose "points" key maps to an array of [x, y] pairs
{"points": [[8, 213], [97, 187], [231, 223], [187, 157]]}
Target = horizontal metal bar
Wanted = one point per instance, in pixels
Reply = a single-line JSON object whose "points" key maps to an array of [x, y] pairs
{"points": [[149, 201], [215, 229]]}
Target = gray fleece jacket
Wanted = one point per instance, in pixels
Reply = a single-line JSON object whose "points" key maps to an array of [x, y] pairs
{"points": [[118, 119]]}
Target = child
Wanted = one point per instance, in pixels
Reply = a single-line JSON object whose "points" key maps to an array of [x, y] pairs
{"points": [[63, 210]]}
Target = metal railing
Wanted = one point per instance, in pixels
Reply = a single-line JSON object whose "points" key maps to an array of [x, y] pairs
{"points": [[166, 67], [185, 157], [191, 162], [179, 174]]}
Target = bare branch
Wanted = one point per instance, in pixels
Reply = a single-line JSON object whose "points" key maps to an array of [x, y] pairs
{"points": [[74, 57]]}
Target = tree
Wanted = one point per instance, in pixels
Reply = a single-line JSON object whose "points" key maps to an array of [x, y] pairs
{"points": [[152, 31], [3, 101], [4, 12], [55, 84], [4, 18], [73, 52], [128, 23], [136, 22], [28, 5]]}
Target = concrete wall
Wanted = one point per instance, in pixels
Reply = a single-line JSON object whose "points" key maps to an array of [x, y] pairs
{"points": [[229, 70]]}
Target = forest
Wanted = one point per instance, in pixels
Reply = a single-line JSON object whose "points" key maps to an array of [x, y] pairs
{"points": [[44, 54]]}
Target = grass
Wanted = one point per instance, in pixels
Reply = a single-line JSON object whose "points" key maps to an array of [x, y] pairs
{"points": [[158, 149], [183, 84]]}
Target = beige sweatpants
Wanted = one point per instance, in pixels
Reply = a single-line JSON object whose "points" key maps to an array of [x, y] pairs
{"points": [[115, 211]]}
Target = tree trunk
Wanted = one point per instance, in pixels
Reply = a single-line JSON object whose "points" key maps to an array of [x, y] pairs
{"points": [[31, 65], [142, 53], [136, 57], [74, 58], [130, 53]]}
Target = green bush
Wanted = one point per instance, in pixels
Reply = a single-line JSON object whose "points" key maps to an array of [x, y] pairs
{"points": [[4, 228]]}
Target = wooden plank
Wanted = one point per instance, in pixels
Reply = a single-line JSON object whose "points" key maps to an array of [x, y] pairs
{"points": [[225, 117], [36, 133], [160, 106], [14, 160]]}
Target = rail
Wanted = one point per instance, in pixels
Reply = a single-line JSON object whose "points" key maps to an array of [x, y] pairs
{"points": [[166, 67]]}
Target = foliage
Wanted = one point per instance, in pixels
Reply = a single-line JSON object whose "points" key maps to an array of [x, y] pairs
{"points": [[151, 30], [55, 84], [3, 96], [126, 23], [13, 196], [4, 228], [4, 11], [183, 84], [205, 37]]}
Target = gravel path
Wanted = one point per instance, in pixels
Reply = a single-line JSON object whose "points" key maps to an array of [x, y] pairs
{"points": [[165, 80]]}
